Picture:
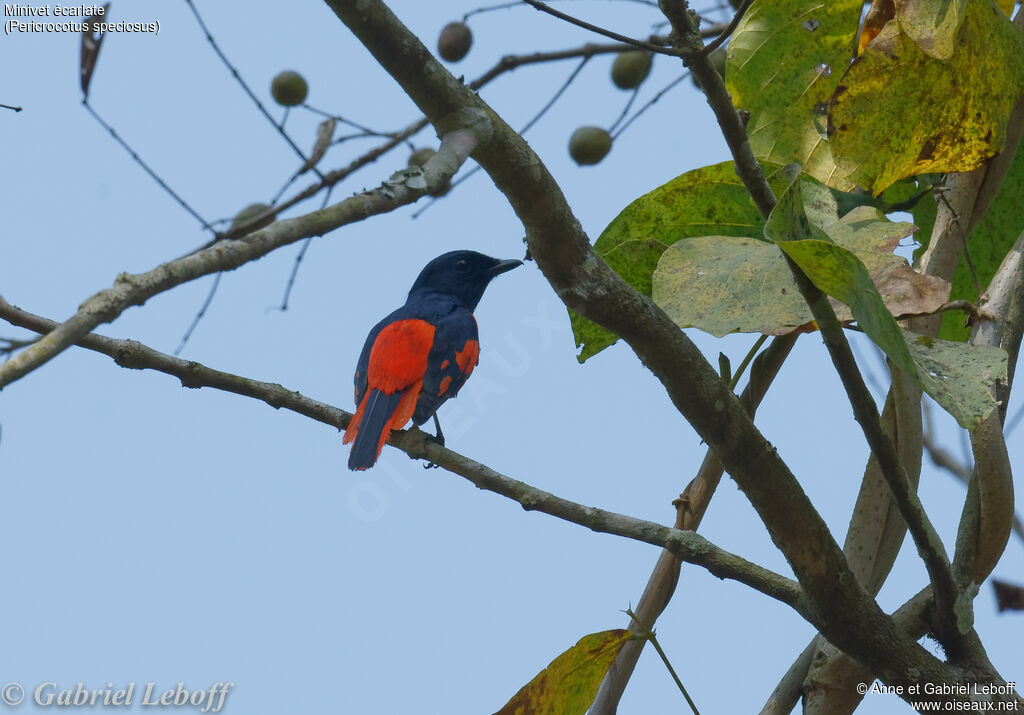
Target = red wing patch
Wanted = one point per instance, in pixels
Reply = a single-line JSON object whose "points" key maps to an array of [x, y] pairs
{"points": [[398, 357], [445, 364], [445, 384], [467, 358]]}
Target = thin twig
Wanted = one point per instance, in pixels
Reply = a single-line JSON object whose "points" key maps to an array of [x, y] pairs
{"points": [[298, 262], [11, 107], [135, 289], [648, 634], [551, 102], [687, 545], [244, 86], [929, 545], [650, 103], [974, 311], [536, 118], [518, 3], [717, 42], [555, 238], [199, 316], [138, 160], [505, 64], [329, 180], [962, 233], [625, 110], [366, 131], [8, 346], [690, 507], [942, 459], [651, 47]]}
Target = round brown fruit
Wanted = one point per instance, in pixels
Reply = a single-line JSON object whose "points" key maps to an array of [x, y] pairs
{"points": [[421, 156], [589, 145], [455, 41], [289, 88], [631, 68]]}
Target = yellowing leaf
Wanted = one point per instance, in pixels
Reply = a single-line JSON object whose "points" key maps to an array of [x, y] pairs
{"points": [[785, 59], [724, 284], [899, 112], [932, 24], [711, 199], [960, 377], [569, 684]]}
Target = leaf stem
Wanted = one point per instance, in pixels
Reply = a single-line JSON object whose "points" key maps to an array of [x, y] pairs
{"points": [[649, 635], [746, 361]]}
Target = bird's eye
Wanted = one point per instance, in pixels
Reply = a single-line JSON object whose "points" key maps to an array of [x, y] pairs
{"points": [[462, 265]]}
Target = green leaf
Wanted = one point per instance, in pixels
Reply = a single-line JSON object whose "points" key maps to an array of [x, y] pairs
{"points": [[784, 62], [989, 242], [959, 376], [838, 272], [711, 199], [634, 260], [570, 683], [932, 24], [899, 112], [914, 195]]}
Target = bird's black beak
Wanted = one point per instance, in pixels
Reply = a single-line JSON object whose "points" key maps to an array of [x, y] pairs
{"points": [[503, 267]]}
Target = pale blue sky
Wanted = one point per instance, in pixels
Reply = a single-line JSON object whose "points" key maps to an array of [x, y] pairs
{"points": [[155, 533]]}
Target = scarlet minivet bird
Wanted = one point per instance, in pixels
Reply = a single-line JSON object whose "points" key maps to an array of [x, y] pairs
{"points": [[421, 354]]}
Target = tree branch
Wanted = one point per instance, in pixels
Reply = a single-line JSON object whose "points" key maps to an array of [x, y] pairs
{"points": [[926, 538], [586, 284], [942, 459], [649, 46], [684, 544], [505, 64], [465, 132], [690, 508], [985, 527], [837, 672]]}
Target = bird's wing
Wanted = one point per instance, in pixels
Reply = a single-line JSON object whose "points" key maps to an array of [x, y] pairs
{"points": [[395, 353], [452, 358]]}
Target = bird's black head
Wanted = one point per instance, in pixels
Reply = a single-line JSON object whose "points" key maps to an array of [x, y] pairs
{"points": [[463, 275]]}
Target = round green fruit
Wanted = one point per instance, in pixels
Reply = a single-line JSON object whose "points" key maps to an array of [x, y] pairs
{"points": [[289, 89], [248, 214], [455, 41], [631, 68], [589, 145]]}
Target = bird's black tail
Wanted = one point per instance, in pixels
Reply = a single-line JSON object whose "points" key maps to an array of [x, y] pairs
{"points": [[372, 425]]}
